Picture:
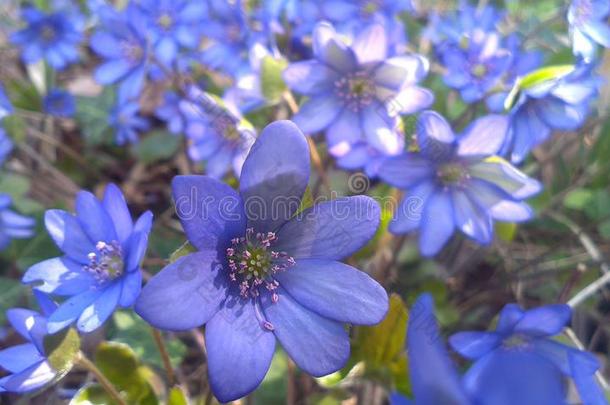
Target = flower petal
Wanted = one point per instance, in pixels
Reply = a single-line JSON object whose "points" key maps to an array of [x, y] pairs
{"points": [[406, 170], [317, 113], [94, 219], [132, 286], [18, 358], [548, 320], [116, 207], [471, 219], [94, 316], [371, 45], [434, 136], [71, 309], [59, 276], [436, 229], [310, 77], [329, 49], [409, 212], [499, 172], [484, 137], [68, 235], [474, 345], [30, 379]]}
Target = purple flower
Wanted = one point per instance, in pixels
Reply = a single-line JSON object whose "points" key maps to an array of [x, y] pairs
{"points": [[27, 363], [170, 112], [247, 92], [454, 27], [522, 349], [263, 272], [6, 108], [433, 375], [59, 103], [12, 224], [127, 123], [217, 133], [53, 37], [355, 92], [589, 27], [559, 104], [100, 268], [122, 43], [460, 177], [173, 24]]}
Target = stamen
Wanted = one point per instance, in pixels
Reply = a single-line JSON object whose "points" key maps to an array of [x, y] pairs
{"points": [[356, 90], [107, 263]]}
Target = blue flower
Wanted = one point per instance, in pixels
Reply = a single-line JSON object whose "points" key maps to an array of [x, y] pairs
{"points": [[127, 123], [27, 363], [520, 363], [100, 268], [6, 108], [217, 133], [122, 43], [433, 375], [355, 92], [453, 28], [262, 272], [59, 103], [173, 24], [12, 224], [589, 27], [53, 37], [6, 146], [559, 104], [460, 177], [476, 65], [170, 112]]}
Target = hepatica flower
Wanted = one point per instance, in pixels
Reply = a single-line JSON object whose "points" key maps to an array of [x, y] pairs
{"points": [[263, 272], [100, 268], [589, 26], [6, 108], [59, 103], [355, 92], [12, 224], [26, 363], [522, 344], [559, 104], [53, 37], [169, 111], [217, 133], [127, 123], [460, 177]]}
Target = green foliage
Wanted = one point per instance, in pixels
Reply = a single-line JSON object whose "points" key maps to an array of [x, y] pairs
{"points": [[62, 350], [273, 387], [92, 117], [506, 231], [185, 249], [176, 397], [92, 394], [272, 83], [12, 291], [158, 145]]}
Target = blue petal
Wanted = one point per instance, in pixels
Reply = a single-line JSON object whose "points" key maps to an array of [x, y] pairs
{"points": [[30, 379], [406, 170], [470, 218], [331, 230], [211, 212], [106, 45], [329, 49], [310, 77], [484, 137], [71, 309], [436, 229], [560, 354], [598, 31], [474, 345], [409, 212], [588, 389], [137, 249], [60, 276], [100, 309], [274, 176], [24, 321], [185, 294], [508, 318], [394, 73], [498, 203], [336, 291], [317, 345], [410, 100], [434, 136], [548, 320], [68, 235], [18, 358], [239, 350], [508, 178], [112, 71], [144, 223], [380, 129], [560, 115], [371, 45], [132, 285], [116, 207], [317, 113], [94, 219]]}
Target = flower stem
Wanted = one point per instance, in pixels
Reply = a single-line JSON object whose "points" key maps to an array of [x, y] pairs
{"points": [[167, 364], [85, 363]]}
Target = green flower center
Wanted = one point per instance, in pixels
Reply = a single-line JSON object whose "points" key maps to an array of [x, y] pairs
{"points": [[165, 21], [479, 70], [106, 263], [451, 173]]}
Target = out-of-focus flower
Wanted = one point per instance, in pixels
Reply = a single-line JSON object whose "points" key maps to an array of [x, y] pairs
{"points": [[355, 92], [170, 112], [121, 41], [53, 37], [262, 272], [126, 122], [59, 103], [520, 363], [27, 363], [589, 27], [6, 108], [459, 176], [476, 65], [218, 135], [173, 24], [559, 104], [247, 92], [6, 145], [433, 375], [12, 224], [100, 269]]}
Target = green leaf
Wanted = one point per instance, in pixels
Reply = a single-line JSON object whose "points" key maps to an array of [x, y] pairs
{"points": [[544, 74], [93, 394], [118, 362], [176, 397], [23, 95], [578, 199], [16, 127], [185, 249], [12, 291], [92, 117], [158, 145], [604, 229], [506, 231], [272, 83], [273, 388], [62, 349]]}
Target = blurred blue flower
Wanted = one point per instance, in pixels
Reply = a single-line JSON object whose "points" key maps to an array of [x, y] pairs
{"points": [[6, 108], [126, 122], [433, 375], [121, 41], [27, 363], [13, 225], [59, 103], [460, 177], [173, 24], [216, 132], [100, 268], [246, 93], [262, 272], [53, 37], [476, 65], [6, 145], [170, 112], [520, 363], [355, 93], [559, 104], [455, 27], [589, 27]]}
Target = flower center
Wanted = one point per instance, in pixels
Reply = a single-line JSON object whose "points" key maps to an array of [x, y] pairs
{"points": [[165, 21], [48, 33], [132, 51], [371, 7], [252, 264], [479, 70], [356, 90], [106, 263], [517, 342], [451, 173]]}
